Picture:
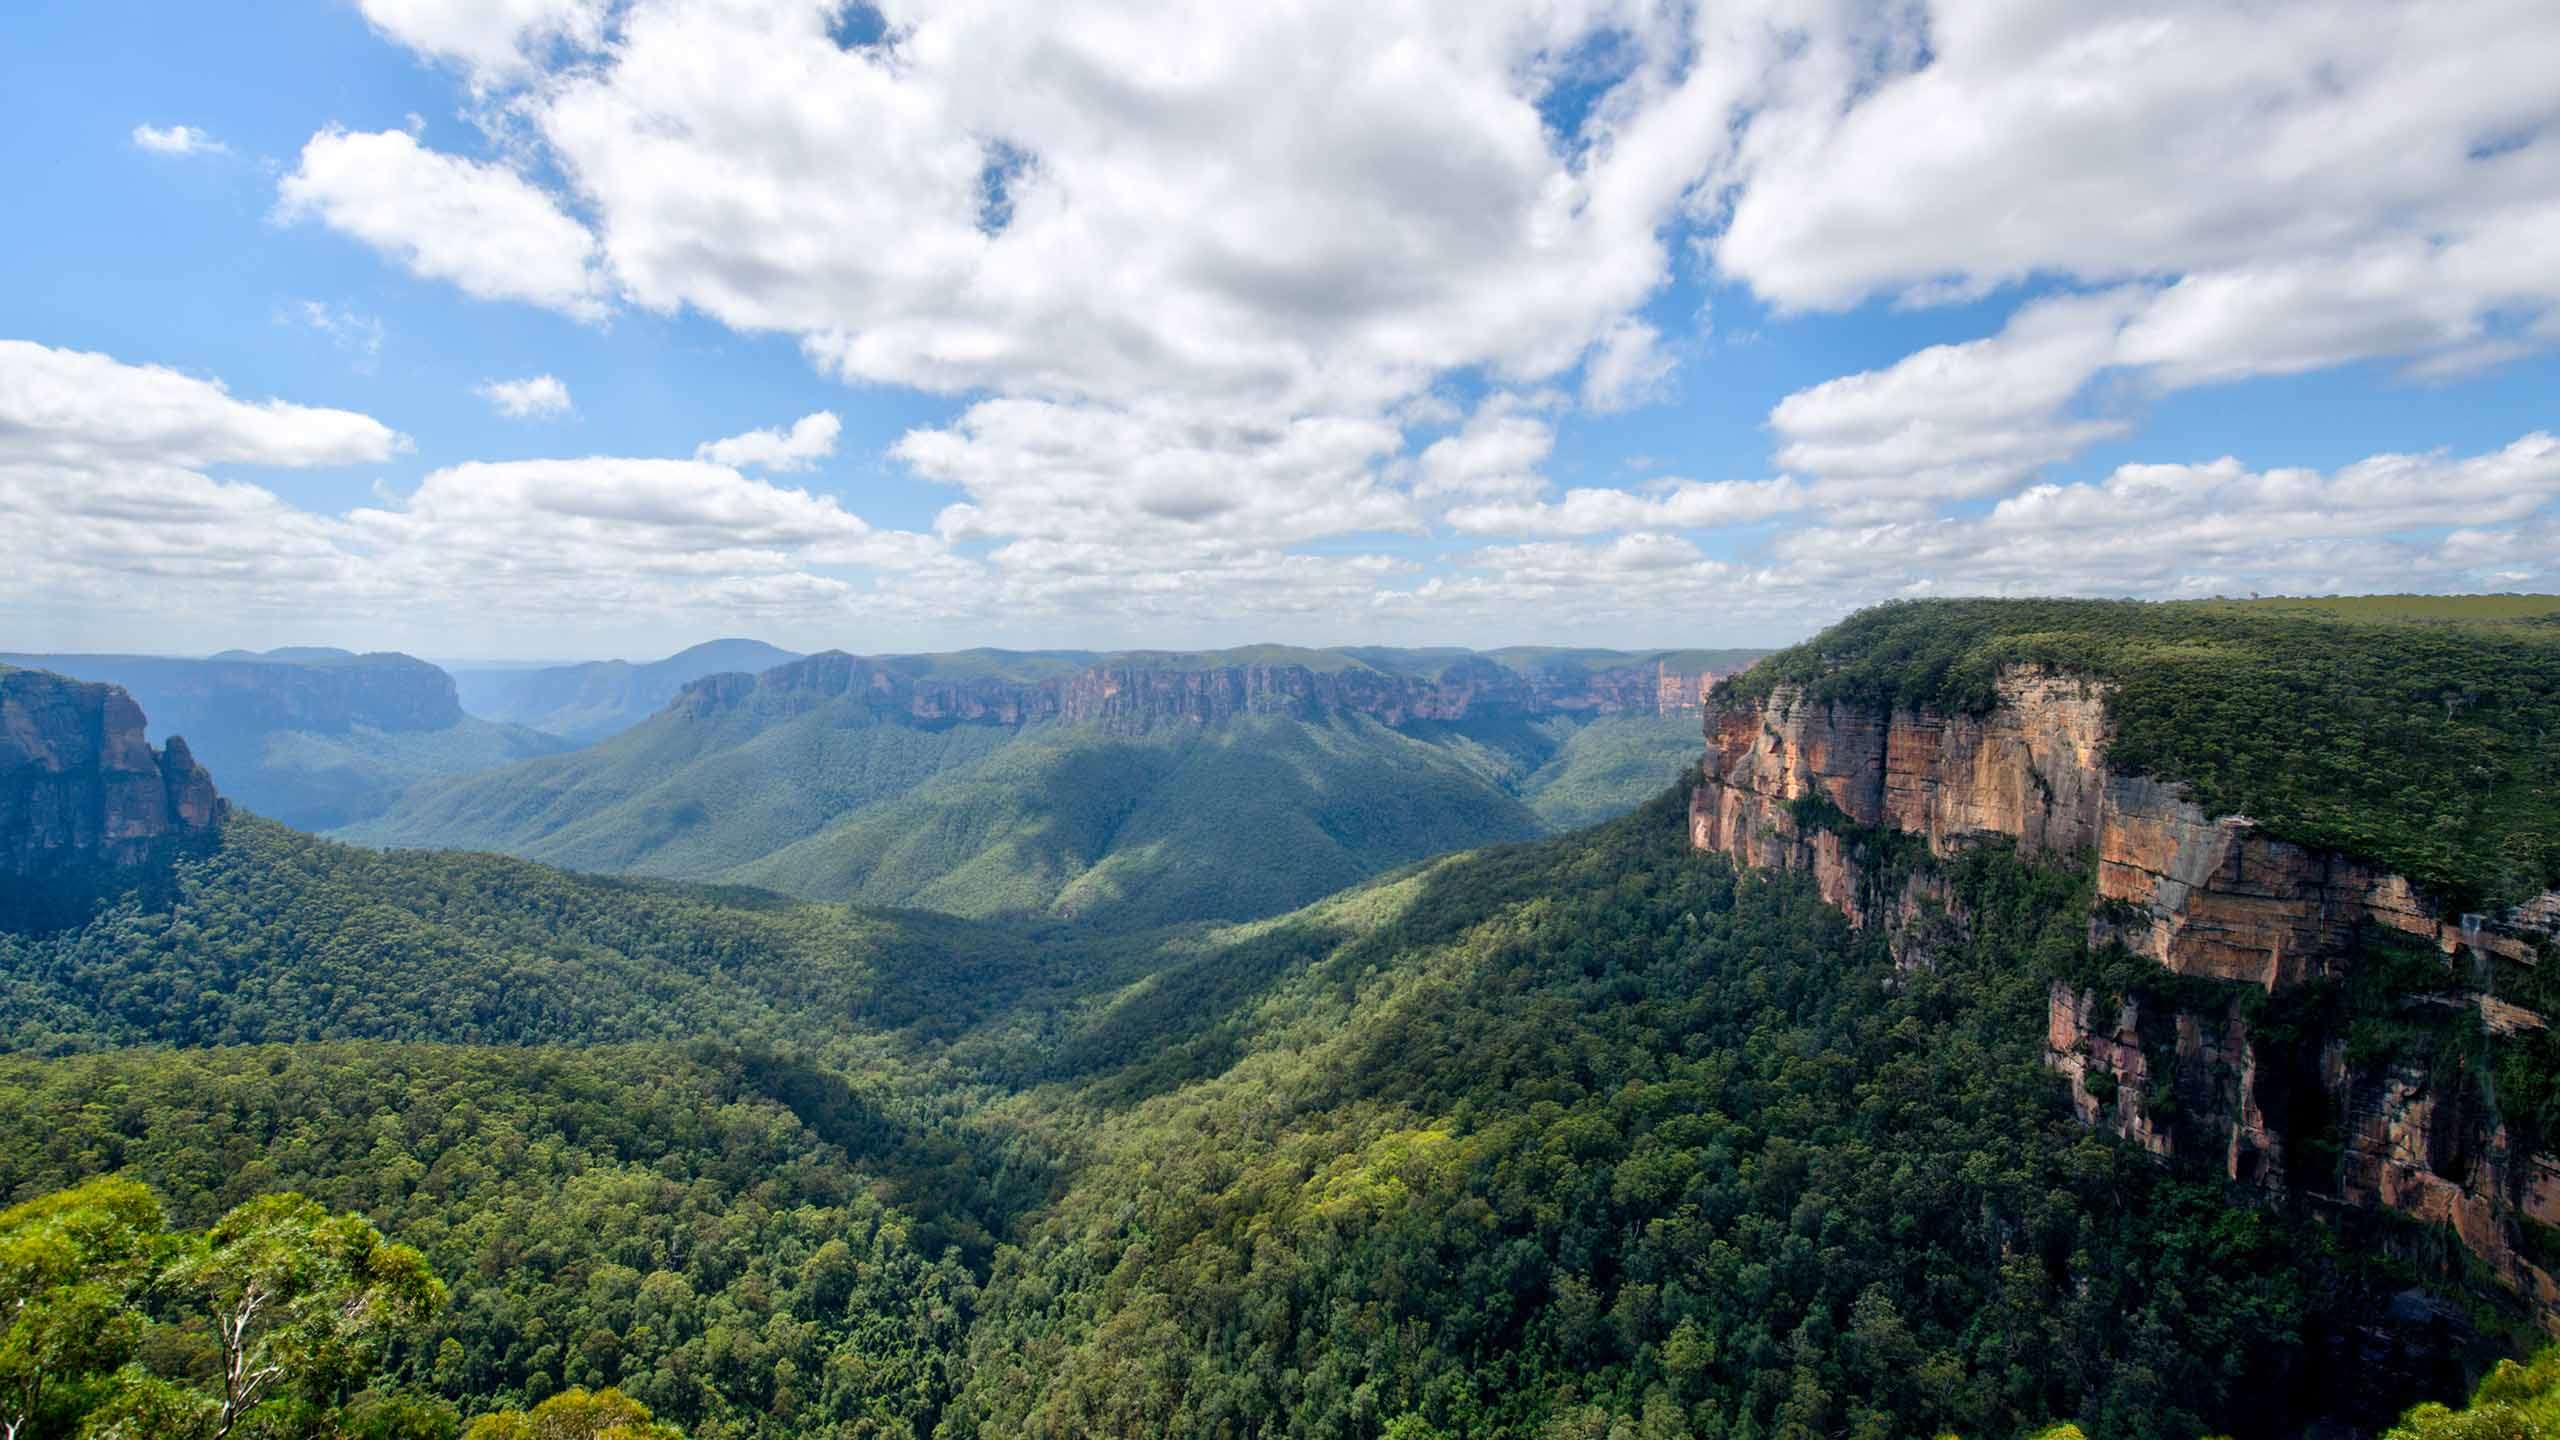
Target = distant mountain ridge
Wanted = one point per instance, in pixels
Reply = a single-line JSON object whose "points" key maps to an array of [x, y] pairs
{"points": [[1140, 787], [312, 736], [1132, 692], [597, 698]]}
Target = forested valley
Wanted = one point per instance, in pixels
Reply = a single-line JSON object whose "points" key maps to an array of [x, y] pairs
{"points": [[1589, 1136]]}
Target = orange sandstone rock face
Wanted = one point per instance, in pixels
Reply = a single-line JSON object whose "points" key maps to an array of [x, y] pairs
{"points": [[2204, 896], [2216, 897]]}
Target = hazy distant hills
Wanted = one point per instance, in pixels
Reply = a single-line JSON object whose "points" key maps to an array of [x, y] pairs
{"points": [[1129, 788], [589, 701], [311, 736]]}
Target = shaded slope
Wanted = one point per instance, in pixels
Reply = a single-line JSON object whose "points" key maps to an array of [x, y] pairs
{"points": [[276, 935], [686, 794], [1257, 816]]}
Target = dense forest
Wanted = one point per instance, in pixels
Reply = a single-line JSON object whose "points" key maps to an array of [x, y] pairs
{"points": [[1586, 1136], [1550, 1139]]}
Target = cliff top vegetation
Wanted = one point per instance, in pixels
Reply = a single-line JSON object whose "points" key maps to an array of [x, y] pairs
{"points": [[2416, 732]]}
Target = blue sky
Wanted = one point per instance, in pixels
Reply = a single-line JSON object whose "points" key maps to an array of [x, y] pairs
{"points": [[1306, 332]]}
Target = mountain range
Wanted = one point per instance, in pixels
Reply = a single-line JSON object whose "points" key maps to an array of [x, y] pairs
{"points": [[593, 699], [2134, 1014], [1129, 789], [312, 736]]}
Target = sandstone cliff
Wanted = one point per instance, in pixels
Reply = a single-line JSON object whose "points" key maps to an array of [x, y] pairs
{"points": [[1796, 784], [1132, 696], [84, 799]]}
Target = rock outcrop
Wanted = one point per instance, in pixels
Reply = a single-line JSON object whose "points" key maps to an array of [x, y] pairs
{"points": [[1130, 696], [1796, 784], [84, 800]]}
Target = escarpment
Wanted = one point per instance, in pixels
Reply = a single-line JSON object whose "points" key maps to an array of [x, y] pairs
{"points": [[1135, 694], [323, 692], [2244, 1053], [85, 802]]}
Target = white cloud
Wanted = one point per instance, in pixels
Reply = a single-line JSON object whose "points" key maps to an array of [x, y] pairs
{"points": [[75, 408], [1497, 456], [2258, 192], [1675, 505], [810, 439], [482, 228], [492, 39], [1978, 417], [1209, 277], [2222, 506], [1963, 145], [2433, 523], [536, 397], [2219, 527], [1321, 211], [1162, 484], [575, 541], [103, 496], [1957, 420], [1628, 368], [177, 140]]}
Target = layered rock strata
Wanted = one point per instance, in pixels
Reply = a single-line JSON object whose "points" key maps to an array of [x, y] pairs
{"points": [[1131, 697], [1788, 782]]}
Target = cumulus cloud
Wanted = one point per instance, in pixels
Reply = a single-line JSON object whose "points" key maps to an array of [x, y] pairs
{"points": [[102, 487], [491, 39], [101, 494], [1670, 505], [482, 228], [1962, 146], [2222, 507], [1155, 480], [1208, 277], [177, 140], [1957, 420], [810, 439], [2220, 527], [2244, 193], [1496, 456], [2431, 522], [536, 397], [78, 409], [1628, 368], [1975, 418]]}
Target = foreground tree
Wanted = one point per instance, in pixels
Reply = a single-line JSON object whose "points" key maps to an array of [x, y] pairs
{"points": [[575, 1414], [108, 1322], [70, 1266], [2516, 1402], [298, 1295]]}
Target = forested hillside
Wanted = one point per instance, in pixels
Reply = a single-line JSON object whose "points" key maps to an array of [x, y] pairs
{"points": [[1580, 1133], [1591, 1135], [1125, 790]]}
